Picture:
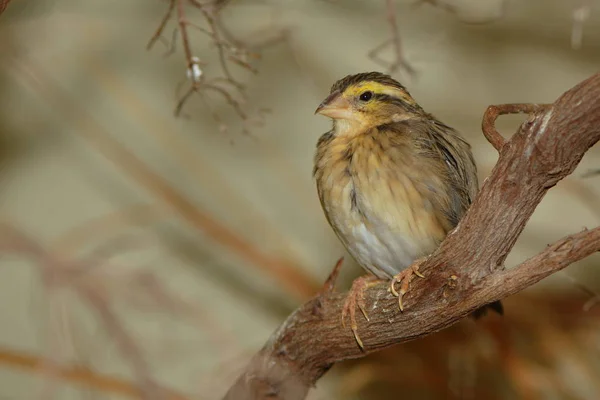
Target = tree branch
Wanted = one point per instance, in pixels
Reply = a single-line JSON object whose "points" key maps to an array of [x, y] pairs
{"points": [[465, 273]]}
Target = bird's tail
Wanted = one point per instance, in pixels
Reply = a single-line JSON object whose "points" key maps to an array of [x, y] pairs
{"points": [[495, 306]]}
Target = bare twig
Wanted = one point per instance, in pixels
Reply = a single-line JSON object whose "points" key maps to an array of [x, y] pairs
{"points": [[400, 62], [162, 25], [465, 273]]}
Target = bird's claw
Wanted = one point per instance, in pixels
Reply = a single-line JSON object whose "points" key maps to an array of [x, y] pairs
{"points": [[404, 278], [356, 298]]}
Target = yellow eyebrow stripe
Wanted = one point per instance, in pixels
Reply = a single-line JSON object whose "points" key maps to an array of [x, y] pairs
{"points": [[378, 88]]}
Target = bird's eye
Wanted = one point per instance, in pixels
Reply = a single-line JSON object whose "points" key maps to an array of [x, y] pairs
{"points": [[366, 96]]}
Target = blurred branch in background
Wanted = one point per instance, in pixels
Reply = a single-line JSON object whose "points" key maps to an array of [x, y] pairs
{"points": [[3, 5], [94, 284], [290, 276], [77, 375]]}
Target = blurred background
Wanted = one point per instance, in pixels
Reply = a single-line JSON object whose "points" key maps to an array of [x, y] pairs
{"points": [[159, 218]]}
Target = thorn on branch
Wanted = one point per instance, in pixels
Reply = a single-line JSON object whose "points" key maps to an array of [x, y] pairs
{"points": [[329, 286]]}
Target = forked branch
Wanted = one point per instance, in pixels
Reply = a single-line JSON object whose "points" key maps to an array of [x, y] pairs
{"points": [[465, 273]]}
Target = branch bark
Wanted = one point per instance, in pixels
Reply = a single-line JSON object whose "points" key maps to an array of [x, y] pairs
{"points": [[465, 273]]}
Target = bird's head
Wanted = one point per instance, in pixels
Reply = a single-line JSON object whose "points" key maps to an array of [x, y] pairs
{"points": [[367, 100]]}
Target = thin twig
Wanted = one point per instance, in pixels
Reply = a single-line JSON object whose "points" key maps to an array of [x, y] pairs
{"points": [[221, 50], [162, 25], [400, 61], [395, 41], [232, 102]]}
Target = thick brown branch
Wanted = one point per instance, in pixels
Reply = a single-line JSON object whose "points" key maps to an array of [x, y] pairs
{"points": [[465, 273]]}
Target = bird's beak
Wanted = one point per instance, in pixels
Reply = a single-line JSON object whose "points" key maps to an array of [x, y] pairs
{"points": [[335, 106]]}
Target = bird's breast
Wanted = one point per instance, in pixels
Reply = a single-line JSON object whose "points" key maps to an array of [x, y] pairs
{"points": [[380, 202]]}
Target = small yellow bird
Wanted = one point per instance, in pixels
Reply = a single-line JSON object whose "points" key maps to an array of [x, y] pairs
{"points": [[392, 179]]}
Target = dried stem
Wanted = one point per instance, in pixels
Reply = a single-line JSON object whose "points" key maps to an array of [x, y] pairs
{"points": [[465, 273], [400, 62]]}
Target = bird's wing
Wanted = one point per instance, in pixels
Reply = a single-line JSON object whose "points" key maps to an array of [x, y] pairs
{"points": [[462, 171], [447, 156]]}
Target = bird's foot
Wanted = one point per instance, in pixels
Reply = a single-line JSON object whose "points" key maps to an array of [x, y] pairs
{"points": [[404, 278], [356, 298]]}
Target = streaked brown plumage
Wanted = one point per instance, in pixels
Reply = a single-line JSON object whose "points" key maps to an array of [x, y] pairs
{"points": [[392, 179]]}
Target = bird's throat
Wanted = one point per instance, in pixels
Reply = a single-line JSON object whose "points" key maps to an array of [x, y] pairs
{"points": [[349, 127]]}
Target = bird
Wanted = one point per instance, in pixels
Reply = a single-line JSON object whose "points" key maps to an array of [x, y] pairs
{"points": [[392, 180]]}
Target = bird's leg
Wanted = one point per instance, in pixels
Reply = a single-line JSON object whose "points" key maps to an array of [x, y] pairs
{"points": [[404, 278], [356, 298]]}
